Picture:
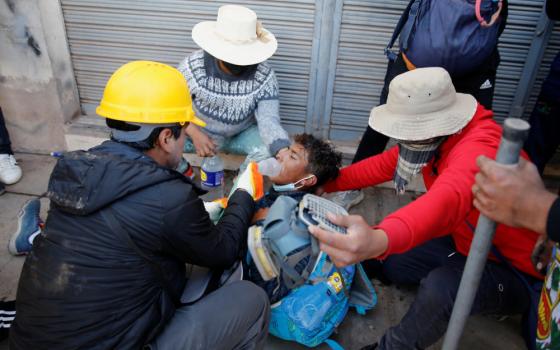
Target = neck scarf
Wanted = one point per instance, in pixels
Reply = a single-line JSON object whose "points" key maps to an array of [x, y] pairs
{"points": [[412, 158]]}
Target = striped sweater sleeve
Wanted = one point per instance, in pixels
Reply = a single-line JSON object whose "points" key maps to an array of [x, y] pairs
{"points": [[267, 115]]}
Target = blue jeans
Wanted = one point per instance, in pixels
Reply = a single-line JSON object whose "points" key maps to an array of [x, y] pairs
{"points": [[437, 268], [248, 142]]}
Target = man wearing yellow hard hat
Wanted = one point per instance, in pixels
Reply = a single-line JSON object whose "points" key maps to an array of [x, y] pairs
{"points": [[108, 271]]}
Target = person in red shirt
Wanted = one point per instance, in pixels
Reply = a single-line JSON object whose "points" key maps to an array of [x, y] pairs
{"points": [[439, 133]]}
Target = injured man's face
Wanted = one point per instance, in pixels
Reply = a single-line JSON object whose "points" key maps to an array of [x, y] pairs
{"points": [[294, 161]]}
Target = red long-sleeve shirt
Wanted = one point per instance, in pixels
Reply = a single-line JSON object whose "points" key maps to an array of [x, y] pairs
{"points": [[447, 206]]}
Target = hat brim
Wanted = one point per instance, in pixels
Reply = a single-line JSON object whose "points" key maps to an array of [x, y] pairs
{"points": [[418, 127], [241, 54], [195, 120]]}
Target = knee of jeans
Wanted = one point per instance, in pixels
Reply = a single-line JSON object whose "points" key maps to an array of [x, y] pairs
{"points": [[439, 288], [395, 269], [253, 295]]}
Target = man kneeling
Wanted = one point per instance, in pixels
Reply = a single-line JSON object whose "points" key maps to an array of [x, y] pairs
{"points": [[108, 269]]}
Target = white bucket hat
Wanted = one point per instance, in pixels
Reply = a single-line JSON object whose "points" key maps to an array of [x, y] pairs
{"points": [[422, 104], [235, 37]]}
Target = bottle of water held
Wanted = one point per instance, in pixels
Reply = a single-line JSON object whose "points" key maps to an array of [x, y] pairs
{"points": [[212, 178], [270, 167]]}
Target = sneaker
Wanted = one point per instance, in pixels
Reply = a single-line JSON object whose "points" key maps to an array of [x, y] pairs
{"points": [[29, 226], [10, 172], [348, 199], [186, 169]]}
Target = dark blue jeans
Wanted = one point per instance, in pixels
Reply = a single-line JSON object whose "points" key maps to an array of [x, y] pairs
{"points": [[438, 269], [5, 146], [543, 138]]}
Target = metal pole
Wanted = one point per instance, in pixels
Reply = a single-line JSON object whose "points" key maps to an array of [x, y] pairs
{"points": [[514, 134]]}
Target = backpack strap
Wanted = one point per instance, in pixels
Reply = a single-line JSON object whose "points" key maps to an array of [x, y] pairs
{"points": [[391, 55], [117, 228], [494, 17], [333, 344]]}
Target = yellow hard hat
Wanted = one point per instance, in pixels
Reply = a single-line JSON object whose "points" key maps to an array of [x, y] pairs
{"points": [[148, 92]]}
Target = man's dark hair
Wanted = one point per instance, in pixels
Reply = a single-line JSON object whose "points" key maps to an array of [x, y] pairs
{"points": [[323, 160], [149, 142]]}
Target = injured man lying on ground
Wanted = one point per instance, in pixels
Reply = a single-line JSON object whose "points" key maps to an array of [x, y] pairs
{"points": [[309, 295]]}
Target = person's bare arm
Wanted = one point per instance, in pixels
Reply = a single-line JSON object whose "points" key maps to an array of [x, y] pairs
{"points": [[203, 144], [361, 241], [512, 195]]}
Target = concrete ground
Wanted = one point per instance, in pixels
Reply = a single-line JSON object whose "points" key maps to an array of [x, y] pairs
{"points": [[355, 332]]}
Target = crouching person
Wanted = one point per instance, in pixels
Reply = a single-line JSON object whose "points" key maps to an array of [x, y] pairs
{"points": [[440, 134], [108, 270]]}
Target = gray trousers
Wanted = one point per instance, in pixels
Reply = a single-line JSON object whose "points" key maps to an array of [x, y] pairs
{"points": [[233, 317]]}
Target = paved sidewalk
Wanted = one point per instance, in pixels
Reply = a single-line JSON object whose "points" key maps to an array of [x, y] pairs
{"points": [[356, 330]]}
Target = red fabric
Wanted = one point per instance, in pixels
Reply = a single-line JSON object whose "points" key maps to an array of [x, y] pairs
{"points": [[447, 205]]}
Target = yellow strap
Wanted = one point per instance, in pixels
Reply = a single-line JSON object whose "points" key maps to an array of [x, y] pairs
{"points": [[407, 62]]}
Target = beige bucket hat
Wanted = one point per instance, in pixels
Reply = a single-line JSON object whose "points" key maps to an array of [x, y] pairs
{"points": [[235, 37], [422, 104]]}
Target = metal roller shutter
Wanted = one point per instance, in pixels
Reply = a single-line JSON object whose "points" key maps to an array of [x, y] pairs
{"points": [[328, 96], [514, 47], [552, 49], [104, 34], [365, 30]]}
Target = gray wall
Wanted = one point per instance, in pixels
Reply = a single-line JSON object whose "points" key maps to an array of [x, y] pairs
{"points": [[38, 92]]}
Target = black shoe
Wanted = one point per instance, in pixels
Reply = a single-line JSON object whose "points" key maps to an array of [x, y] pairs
{"points": [[370, 347], [2, 189]]}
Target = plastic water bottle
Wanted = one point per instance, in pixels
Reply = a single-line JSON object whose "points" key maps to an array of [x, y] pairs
{"points": [[270, 167], [212, 178]]}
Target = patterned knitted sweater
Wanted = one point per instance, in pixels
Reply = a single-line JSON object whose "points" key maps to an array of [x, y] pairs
{"points": [[230, 104]]}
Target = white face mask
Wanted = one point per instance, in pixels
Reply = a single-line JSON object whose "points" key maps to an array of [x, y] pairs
{"points": [[291, 186]]}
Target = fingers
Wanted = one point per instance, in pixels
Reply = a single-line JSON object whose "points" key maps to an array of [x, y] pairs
{"points": [[482, 183], [483, 163], [334, 245], [341, 220], [327, 237], [483, 201], [529, 170], [339, 257], [206, 149], [211, 146], [344, 220]]}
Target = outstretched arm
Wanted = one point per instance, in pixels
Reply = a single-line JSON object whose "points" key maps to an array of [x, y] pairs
{"points": [[267, 115], [361, 242]]}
